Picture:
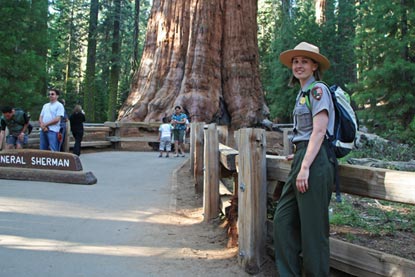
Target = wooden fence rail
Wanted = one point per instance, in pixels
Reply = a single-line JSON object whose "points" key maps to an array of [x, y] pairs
{"points": [[255, 173], [108, 134], [246, 174]]}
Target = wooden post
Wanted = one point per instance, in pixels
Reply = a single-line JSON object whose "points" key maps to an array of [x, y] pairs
{"points": [[252, 199], [198, 156], [117, 133], [192, 146], [211, 174], [67, 134], [288, 146], [3, 141], [223, 134]]}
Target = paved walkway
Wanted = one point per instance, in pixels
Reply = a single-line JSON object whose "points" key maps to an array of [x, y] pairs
{"points": [[112, 228]]}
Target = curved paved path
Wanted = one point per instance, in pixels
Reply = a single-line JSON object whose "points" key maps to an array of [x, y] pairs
{"points": [[111, 228]]}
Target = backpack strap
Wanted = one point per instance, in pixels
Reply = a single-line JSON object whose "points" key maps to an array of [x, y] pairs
{"points": [[20, 115], [307, 92], [307, 95]]}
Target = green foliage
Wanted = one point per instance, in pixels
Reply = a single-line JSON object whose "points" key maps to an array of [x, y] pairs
{"points": [[291, 24], [67, 23], [386, 68], [282, 28], [68, 34], [21, 68], [370, 47], [345, 213], [374, 216]]}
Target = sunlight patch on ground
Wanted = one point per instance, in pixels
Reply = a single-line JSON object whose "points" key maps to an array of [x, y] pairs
{"points": [[60, 208], [32, 244]]}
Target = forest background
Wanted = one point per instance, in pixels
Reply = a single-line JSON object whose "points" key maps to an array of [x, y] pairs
{"points": [[90, 49]]}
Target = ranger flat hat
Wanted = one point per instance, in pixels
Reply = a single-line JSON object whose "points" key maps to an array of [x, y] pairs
{"points": [[305, 49]]}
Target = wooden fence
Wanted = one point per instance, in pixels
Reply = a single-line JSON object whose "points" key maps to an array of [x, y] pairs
{"points": [[237, 177], [108, 134], [246, 178], [95, 135]]}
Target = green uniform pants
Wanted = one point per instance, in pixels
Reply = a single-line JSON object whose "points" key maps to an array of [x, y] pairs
{"points": [[301, 224]]}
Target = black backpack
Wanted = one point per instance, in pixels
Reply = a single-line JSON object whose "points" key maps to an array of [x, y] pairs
{"points": [[345, 126], [345, 121]]}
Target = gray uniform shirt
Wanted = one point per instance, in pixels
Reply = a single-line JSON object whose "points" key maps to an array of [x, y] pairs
{"points": [[303, 115]]}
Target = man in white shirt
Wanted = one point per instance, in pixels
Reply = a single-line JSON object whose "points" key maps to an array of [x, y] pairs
{"points": [[49, 121]]}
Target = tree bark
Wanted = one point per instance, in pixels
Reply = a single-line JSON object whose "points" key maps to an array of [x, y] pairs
{"points": [[203, 56], [135, 58], [90, 86], [115, 62], [39, 39], [320, 11]]}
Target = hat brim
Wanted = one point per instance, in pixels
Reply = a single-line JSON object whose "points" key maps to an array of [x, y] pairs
{"points": [[286, 58]]}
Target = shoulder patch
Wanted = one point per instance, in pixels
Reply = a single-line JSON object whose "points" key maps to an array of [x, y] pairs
{"points": [[317, 93]]}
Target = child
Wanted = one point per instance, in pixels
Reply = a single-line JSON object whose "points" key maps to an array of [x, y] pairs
{"points": [[165, 137]]}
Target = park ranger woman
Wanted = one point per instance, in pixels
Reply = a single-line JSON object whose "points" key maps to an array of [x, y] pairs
{"points": [[301, 223]]}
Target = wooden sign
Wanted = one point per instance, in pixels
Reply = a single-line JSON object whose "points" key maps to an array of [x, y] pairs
{"points": [[40, 159]]}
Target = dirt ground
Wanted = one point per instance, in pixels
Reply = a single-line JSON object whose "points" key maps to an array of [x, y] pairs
{"points": [[401, 244], [210, 239], [189, 211], [399, 241]]}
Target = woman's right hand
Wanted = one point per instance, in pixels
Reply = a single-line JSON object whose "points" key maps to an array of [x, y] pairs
{"points": [[302, 180]]}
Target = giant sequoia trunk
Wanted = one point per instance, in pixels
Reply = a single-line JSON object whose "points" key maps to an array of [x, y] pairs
{"points": [[203, 56]]}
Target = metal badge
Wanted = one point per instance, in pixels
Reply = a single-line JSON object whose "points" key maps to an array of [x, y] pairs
{"points": [[302, 100]]}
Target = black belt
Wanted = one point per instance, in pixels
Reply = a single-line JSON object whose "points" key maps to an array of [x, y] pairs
{"points": [[299, 145]]}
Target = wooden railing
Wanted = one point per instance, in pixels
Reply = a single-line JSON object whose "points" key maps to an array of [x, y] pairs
{"points": [[247, 179], [108, 134], [95, 135], [237, 177]]}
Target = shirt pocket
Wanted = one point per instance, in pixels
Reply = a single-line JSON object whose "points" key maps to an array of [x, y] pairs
{"points": [[304, 118]]}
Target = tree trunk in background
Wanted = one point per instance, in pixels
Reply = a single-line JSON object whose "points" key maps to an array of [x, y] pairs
{"points": [[320, 11], [90, 85], [115, 62], [39, 39], [345, 72], [203, 56], [69, 49], [135, 58]]}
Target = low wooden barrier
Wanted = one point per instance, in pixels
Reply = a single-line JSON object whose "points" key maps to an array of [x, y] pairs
{"points": [[243, 185], [116, 136], [95, 135], [108, 134]]}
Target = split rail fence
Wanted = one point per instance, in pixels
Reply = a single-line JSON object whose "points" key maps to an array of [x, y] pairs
{"points": [[240, 180], [244, 178], [108, 134]]}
